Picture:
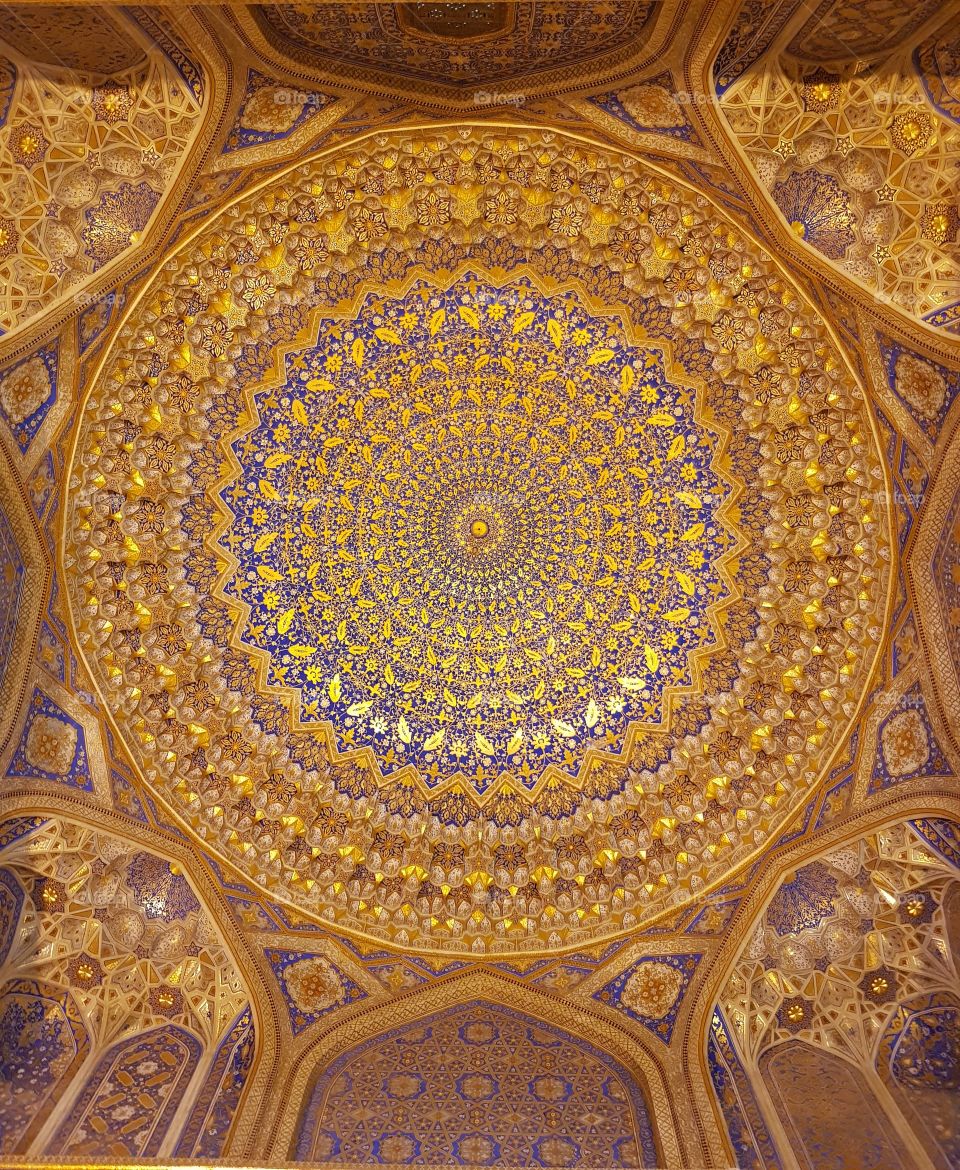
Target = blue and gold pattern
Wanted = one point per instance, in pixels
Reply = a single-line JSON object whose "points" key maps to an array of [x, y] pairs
{"points": [[758, 398], [942, 835], [514, 1091], [651, 991], [207, 1130], [746, 1127], [271, 110], [28, 389], [43, 1042], [478, 530], [52, 747], [129, 1098], [804, 900], [818, 210], [312, 986], [12, 570]]}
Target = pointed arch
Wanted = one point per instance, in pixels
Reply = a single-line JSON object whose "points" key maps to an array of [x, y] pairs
{"points": [[43, 1043], [130, 1096]]}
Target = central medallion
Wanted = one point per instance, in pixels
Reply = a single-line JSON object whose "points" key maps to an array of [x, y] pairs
{"points": [[477, 530]]}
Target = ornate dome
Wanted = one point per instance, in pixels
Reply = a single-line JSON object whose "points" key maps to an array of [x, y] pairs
{"points": [[480, 583], [467, 595]]}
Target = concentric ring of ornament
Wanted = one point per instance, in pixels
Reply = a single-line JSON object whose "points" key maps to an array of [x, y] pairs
{"points": [[467, 532], [160, 533]]}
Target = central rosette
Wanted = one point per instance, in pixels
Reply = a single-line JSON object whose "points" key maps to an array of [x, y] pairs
{"points": [[477, 530]]}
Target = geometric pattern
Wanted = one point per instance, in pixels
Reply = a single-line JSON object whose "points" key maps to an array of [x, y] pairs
{"points": [[130, 1097], [206, 1132], [477, 1085], [784, 399], [841, 154]]}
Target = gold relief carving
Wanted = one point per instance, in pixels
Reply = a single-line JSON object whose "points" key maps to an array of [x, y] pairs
{"points": [[323, 219]]}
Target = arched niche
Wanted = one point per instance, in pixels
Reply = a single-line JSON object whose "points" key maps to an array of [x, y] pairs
{"points": [[212, 1115], [130, 1097], [829, 1112], [919, 1062], [476, 1083], [42, 1045]]}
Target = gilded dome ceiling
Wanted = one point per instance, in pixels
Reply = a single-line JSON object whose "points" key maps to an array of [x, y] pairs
{"points": [[455, 589], [456, 45], [480, 583]]}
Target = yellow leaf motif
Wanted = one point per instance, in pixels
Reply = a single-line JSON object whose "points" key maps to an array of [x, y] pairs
{"points": [[484, 744], [651, 657], [263, 542], [555, 329], [632, 684], [599, 356], [627, 379], [686, 583], [522, 322], [403, 730], [514, 743], [277, 460], [319, 384], [694, 532], [300, 412], [592, 717], [387, 335], [303, 651], [436, 321], [265, 573], [470, 316], [563, 729], [285, 621], [335, 689], [691, 499], [360, 708], [432, 742], [677, 447], [661, 419], [357, 351], [389, 675], [677, 615], [267, 490], [313, 570]]}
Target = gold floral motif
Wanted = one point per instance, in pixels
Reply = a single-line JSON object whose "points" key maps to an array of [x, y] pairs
{"points": [[652, 989], [921, 384], [214, 726], [313, 984], [906, 746], [51, 744]]}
